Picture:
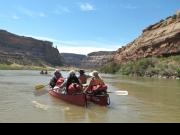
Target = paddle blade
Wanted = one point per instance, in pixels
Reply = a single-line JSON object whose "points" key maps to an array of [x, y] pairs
{"points": [[121, 92], [37, 87]]}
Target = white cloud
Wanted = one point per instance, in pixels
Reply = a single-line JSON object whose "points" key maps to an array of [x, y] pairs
{"points": [[84, 47], [41, 14], [128, 6], [61, 9], [26, 12], [86, 7], [31, 13], [15, 17], [80, 47]]}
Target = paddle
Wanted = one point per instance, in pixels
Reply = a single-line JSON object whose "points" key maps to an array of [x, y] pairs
{"points": [[40, 86], [40, 91], [119, 92]]}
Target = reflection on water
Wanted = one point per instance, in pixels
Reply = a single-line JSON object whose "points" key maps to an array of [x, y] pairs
{"points": [[148, 100], [39, 105], [156, 100], [94, 114], [40, 92], [71, 116]]}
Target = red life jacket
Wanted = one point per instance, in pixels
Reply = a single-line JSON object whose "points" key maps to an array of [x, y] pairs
{"points": [[74, 88], [60, 81], [99, 88], [98, 85]]}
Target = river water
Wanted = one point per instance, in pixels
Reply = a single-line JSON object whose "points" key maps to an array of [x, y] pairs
{"points": [[149, 100]]}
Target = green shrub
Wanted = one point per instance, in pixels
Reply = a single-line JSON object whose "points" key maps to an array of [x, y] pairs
{"points": [[126, 69], [140, 67], [178, 72], [169, 66], [110, 68], [174, 17]]}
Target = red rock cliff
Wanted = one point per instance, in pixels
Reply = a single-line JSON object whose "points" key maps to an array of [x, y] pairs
{"points": [[160, 39], [26, 50]]}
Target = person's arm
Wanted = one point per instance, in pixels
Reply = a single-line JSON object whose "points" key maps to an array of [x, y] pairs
{"points": [[89, 86], [88, 76], [78, 81], [102, 82], [63, 84], [52, 82]]}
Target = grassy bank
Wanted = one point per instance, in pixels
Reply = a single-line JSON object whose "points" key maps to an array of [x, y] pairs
{"points": [[168, 67], [23, 67], [28, 67]]}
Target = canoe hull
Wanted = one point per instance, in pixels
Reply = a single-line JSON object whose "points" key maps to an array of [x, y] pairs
{"points": [[98, 95], [102, 100], [78, 99]]}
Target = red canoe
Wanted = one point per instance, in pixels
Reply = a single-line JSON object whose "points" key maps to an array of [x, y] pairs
{"points": [[100, 99], [76, 99], [81, 99], [98, 95]]}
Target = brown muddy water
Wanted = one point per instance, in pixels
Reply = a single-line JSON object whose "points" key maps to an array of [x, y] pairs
{"points": [[149, 100]]}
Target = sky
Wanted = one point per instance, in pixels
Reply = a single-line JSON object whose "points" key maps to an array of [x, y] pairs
{"points": [[84, 26]]}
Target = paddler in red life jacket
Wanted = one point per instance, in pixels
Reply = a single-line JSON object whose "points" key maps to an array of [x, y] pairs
{"points": [[83, 77], [96, 83], [72, 83], [57, 79]]}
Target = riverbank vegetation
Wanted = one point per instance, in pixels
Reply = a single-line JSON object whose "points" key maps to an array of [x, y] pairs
{"points": [[167, 67], [15, 66]]}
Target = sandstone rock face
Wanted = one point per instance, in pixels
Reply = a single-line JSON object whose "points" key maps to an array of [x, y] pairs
{"points": [[92, 60], [74, 60], [27, 51], [161, 39], [97, 59]]}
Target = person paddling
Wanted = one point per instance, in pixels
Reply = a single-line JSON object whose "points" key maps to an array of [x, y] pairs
{"points": [[72, 83], [56, 78], [83, 77], [96, 84]]}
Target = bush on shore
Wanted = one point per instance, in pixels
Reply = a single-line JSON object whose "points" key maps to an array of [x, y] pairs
{"points": [[168, 67]]}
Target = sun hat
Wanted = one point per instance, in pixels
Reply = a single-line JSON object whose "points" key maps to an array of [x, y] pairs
{"points": [[94, 73], [72, 72], [57, 70], [81, 71]]}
